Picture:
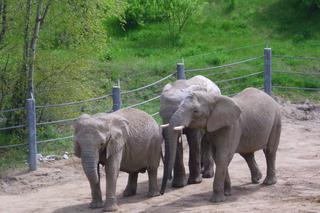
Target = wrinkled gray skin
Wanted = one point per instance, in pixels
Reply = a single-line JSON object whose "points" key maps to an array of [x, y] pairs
{"points": [[127, 140], [243, 124], [171, 97]]}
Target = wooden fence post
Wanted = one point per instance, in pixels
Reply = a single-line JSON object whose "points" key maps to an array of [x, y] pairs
{"points": [[32, 134], [116, 98], [180, 71], [268, 71]]}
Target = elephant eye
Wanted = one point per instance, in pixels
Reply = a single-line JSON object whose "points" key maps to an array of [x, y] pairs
{"points": [[195, 111]]}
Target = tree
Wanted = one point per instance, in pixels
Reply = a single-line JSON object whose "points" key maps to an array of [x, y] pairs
{"points": [[177, 13]]}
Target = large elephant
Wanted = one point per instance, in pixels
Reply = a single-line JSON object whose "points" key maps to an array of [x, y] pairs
{"points": [[171, 97], [127, 140], [243, 124]]}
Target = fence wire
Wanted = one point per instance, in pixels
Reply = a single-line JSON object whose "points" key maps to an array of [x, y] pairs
{"points": [[298, 73], [12, 110], [147, 86], [143, 102], [297, 88], [225, 65], [297, 57], [65, 121], [13, 127], [238, 78], [55, 139], [74, 102]]}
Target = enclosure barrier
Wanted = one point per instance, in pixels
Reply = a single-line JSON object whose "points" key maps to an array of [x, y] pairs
{"points": [[117, 94]]}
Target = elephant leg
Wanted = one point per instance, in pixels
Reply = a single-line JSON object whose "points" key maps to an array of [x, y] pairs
{"points": [[194, 141], [271, 174], [112, 171], [227, 184], [96, 195], [270, 153], [253, 166], [221, 178], [153, 185], [179, 172], [131, 188], [207, 163]]}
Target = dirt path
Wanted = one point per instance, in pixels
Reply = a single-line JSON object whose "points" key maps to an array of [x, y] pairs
{"points": [[62, 187]]}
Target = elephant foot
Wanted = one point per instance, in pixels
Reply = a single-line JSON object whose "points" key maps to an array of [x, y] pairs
{"points": [[96, 204], [129, 192], [195, 180], [227, 191], [179, 182], [110, 205], [153, 193], [217, 198], [208, 173], [270, 180], [256, 178]]}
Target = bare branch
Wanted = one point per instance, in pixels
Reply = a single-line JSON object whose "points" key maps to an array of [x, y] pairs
{"points": [[46, 9], [3, 12]]}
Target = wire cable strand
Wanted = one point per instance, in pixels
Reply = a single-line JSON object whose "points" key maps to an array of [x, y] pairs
{"points": [[225, 65]]}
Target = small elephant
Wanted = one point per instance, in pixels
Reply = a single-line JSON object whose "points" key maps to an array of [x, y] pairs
{"points": [[199, 153], [243, 124], [127, 140]]}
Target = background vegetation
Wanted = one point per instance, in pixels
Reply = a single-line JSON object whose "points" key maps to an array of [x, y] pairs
{"points": [[84, 47]]}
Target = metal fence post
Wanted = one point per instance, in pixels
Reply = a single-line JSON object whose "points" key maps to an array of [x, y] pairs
{"points": [[32, 134], [180, 71], [116, 98], [268, 71]]}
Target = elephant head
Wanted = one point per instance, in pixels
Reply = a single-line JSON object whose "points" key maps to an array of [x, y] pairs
{"points": [[170, 100], [96, 134], [200, 109]]}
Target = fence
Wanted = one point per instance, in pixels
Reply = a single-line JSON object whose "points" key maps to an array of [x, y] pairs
{"points": [[262, 79]]}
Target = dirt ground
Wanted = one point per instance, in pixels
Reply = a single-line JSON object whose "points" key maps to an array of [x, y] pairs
{"points": [[61, 186]]}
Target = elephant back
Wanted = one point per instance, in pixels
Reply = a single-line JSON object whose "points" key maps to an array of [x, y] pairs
{"points": [[143, 142]]}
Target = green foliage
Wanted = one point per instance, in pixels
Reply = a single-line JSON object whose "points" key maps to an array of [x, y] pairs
{"points": [[311, 3], [139, 12], [178, 13]]}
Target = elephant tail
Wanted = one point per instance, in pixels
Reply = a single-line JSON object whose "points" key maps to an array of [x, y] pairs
{"points": [[162, 157]]}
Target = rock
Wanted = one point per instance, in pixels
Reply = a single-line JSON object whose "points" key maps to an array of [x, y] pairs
{"points": [[65, 156], [40, 157]]}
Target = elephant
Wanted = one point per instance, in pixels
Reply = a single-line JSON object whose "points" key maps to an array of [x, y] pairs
{"points": [[127, 140], [170, 99], [243, 124]]}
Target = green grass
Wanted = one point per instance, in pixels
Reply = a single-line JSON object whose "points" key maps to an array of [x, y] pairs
{"points": [[144, 55]]}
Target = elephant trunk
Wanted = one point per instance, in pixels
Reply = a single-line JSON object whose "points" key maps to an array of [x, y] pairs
{"points": [[171, 141], [90, 167], [170, 137]]}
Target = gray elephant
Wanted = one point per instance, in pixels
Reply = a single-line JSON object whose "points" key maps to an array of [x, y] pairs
{"points": [[243, 124], [127, 140], [171, 97]]}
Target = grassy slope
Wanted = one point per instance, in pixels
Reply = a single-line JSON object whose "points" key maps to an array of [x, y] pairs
{"points": [[280, 24]]}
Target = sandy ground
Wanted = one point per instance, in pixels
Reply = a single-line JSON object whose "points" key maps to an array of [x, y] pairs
{"points": [[61, 186]]}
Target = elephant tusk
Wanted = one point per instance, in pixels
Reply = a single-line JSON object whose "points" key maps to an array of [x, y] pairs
{"points": [[164, 125], [178, 128]]}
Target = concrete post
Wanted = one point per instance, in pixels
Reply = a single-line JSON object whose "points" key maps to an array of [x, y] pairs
{"points": [[180, 71], [32, 134], [268, 71], [116, 98]]}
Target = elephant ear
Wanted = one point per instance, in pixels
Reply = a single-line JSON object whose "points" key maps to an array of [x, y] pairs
{"points": [[119, 130], [224, 113], [76, 145], [77, 149]]}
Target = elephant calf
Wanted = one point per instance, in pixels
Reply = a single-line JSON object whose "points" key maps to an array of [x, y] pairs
{"points": [[127, 140], [243, 124]]}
